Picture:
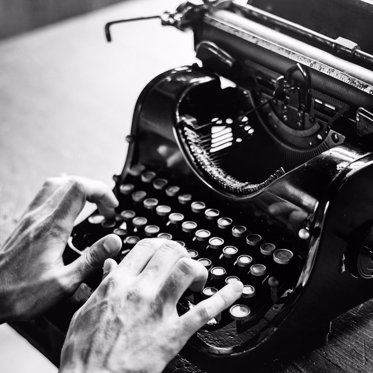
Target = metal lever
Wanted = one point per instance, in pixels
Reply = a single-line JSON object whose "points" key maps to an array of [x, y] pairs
{"points": [[109, 24]]}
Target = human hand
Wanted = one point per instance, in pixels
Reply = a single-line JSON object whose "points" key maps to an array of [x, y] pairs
{"points": [[130, 323], [33, 276]]}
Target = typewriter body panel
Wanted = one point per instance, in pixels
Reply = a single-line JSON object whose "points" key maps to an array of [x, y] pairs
{"points": [[274, 133]]}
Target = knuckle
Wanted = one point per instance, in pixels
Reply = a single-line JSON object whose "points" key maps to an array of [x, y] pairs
{"points": [[186, 266], [51, 182], [174, 247], [91, 257], [75, 186], [203, 314]]}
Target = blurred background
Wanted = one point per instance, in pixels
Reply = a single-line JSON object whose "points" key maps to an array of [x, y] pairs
{"points": [[66, 103]]}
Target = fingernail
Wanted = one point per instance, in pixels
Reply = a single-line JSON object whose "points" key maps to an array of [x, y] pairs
{"points": [[112, 243], [237, 286]]}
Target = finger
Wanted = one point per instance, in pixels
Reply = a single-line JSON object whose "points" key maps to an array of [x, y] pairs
{"points": [[161, 263], [137, 259], [204, 311], [93, 258], [187, 273], [100, 194], [109, 266]]}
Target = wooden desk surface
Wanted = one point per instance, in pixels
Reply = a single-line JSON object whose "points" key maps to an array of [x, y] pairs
{"points": [[66, 101]]}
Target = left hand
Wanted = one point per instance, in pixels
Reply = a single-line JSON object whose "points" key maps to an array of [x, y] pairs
{"points": [[33, 276]]}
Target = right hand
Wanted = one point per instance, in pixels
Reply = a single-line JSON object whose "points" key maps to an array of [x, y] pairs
{"points": [[130, 323]]}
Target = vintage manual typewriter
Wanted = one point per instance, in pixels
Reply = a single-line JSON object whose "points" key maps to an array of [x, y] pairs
{"points": [[259, 159]]}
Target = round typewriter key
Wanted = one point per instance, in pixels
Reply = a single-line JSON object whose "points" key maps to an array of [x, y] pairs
{"points": [[175, 218], [138, 196], [248, 292], [240, 312], [108, 224], [258, 270], [205, 262], [151, 230], [253, 240], [239, 231], [150, 203], [198, 207], [230, 251], [189, 226], [126, 189], [181, 243], [184, 199], [216, 243], [128, 215], [136, 170], [242, 264], [209, 291], [231, 279], [96, 219], [225, 223], [131, 241], [217, 275], [147, 177], [172, 191], [159, 184], [212, 214], [202, 235], [267, 248], [282, 256], [162, 210], [215, 247], [139, 222], [165, 236], [193, 253], [229, 121]]}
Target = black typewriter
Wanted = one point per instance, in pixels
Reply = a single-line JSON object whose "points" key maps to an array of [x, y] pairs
{"points": [[259, 160]]}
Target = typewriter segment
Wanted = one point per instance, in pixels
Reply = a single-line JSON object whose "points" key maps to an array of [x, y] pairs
{"points": [[152, 205]]}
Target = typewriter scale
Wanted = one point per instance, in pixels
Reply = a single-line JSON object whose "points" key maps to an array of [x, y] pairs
{"points": [[259, 160]]}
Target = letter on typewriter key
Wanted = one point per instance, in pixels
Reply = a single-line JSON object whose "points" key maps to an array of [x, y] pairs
{"points": [[242, 265], [201, 238], [163, 211], [151, 231], [241, 313], [215, 247]]}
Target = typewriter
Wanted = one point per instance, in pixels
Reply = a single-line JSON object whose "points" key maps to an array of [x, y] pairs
{"points": [[259, 160]]}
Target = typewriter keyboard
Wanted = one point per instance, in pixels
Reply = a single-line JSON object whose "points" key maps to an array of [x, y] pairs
{"points": [[152, 206]]}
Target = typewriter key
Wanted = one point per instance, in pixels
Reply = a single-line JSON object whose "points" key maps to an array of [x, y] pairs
{"points": [[147, 177], [189, 227], [198, 207], [239, 231], [267, 249], [136, 170], [228, 256], [212, 214], [205, 262], [165, 236], [231, 279], [139, 223], [248, 292], [131, 241], [184, 199], [159, 184], [138, 196], [242, 265], [252, 244], [150, 204], [151, 230], [209, 291], [193, 254], [172, 191], [282, 256], [201, 238], [281, 259], [218, 275], [127, 216], [181, 243], [163, 211], [126, 189], [257, 273], [241, 313], [225, 225], [215, 247], [96, 219]]}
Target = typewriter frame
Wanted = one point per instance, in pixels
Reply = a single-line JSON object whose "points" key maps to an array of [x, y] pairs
{"points": [[336, 209]]}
